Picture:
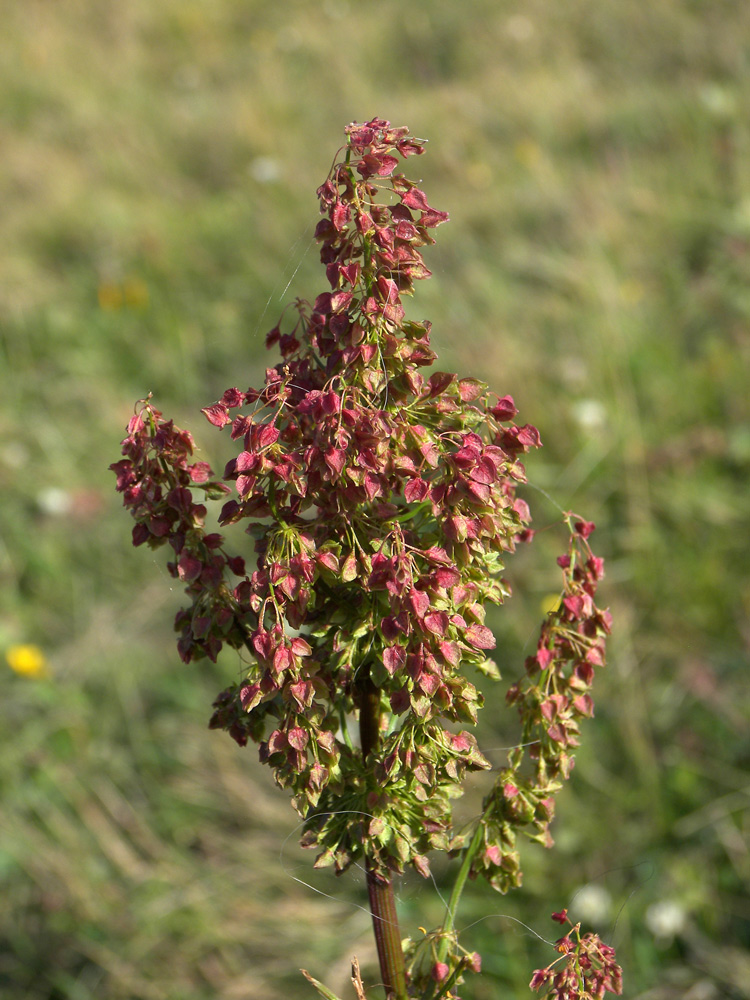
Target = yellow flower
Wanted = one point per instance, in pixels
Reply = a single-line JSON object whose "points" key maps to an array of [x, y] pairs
{"points": [[27, 660]]}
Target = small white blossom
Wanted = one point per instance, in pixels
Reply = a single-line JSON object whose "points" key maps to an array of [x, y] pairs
{"points": [[592, 903], [54, 501], [264, 169], [665, 919], [590, 414]]}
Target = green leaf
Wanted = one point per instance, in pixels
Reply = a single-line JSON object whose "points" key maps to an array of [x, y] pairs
{"points": [[322, 990], [425, 507]]}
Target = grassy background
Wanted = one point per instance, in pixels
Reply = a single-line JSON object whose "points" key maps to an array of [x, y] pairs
{"points": [[159, 164]]}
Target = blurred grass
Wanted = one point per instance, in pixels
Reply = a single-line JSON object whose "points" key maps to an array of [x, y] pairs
{"points": [[157, 192]]}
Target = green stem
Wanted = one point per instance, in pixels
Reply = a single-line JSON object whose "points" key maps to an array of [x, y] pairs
{"points": [[379, 889], [446, 935], [458, 888]]}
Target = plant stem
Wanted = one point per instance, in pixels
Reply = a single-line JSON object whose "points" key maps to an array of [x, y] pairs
{"points": [[458, 888], [380, 890], [387, 935]]}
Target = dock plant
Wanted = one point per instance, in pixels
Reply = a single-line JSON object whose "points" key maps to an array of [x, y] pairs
{"points": [[381, 497]]}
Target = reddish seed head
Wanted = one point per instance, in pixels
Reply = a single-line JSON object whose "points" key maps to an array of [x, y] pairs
{"points": [[440, 971], [379, 504]]}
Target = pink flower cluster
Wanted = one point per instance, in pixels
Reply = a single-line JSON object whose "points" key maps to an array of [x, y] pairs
{"points": [[551, 700], [382, 503], [589, 969], [157, 480], [391, 498]]}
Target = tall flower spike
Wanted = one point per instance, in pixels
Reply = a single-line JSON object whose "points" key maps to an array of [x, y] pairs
{"points": [[382, 503], [391, 498]]}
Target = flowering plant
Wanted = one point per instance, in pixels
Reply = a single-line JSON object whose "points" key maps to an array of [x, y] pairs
{"points": [[588, 970], [383, 504]]}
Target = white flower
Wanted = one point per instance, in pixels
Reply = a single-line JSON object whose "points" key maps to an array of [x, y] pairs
{"points": [[665, 919], [592, 903], [264, 169], [54, 501], [590, 414]]}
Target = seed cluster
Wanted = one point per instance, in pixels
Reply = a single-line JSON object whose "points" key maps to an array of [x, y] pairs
{"points": [[382, 503]]}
